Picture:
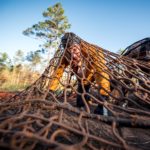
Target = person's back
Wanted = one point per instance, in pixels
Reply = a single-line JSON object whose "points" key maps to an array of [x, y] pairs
{"points": [[139, 50]]}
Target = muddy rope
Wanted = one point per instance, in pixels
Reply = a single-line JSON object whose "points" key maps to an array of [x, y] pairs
{"points": [[39, 118]]}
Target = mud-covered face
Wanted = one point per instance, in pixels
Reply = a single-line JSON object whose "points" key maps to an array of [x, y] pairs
{"points": [[75, 51]]}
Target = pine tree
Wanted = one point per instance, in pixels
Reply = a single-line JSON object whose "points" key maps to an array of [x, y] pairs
{"points": [[52, 28], [35, 58], [5, 61]]}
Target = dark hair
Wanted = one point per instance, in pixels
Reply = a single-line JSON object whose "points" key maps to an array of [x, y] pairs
{"points": [[70, 38]]}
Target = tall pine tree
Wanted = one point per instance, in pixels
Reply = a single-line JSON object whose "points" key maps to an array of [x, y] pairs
{"points": [[52, 28]]}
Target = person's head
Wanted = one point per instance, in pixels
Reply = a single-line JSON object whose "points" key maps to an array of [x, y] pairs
{"points": [[69, 39], [75, 52], [71, 43]]}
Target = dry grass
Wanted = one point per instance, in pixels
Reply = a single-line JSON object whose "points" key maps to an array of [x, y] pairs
{"points": [[17, 80]]}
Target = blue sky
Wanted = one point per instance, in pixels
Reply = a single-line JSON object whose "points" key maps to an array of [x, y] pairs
{"points": [[111, 24]]}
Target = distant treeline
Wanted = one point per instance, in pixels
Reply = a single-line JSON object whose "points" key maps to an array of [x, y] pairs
{"points": [[20, 71]]}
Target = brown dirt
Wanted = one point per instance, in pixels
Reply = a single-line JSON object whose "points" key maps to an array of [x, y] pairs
{"points": [[6, 95]]}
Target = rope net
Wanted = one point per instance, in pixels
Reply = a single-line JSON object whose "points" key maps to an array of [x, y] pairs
{"points": [[45, 115]]}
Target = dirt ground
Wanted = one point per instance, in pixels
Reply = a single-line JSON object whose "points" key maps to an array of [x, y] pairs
{"points": [[6, 95]]}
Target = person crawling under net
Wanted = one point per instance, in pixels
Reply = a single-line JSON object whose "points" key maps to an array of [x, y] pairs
{"points": [[88, 65]]}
